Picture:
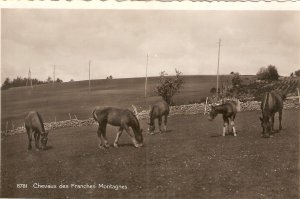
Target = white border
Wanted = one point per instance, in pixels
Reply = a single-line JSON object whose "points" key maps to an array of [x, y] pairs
{"points": [[149, 5]]}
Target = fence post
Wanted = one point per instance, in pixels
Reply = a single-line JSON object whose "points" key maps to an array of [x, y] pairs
{"points": [[75, 117], [205, 105], [298, 95], [70, 116], [6, 127], [54, 118]]}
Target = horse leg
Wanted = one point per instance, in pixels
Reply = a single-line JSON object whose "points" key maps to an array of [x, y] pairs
{"points": [[165, 121], [117, 137], [225, 126], [233, 128], [159, 123], [37, 139], [280, 118], [103, 132], [132, 138], [272, 122], [100, 140], [29, 133]]}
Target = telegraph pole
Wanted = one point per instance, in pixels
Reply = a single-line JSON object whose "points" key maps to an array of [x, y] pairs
{"points": [[29, 78], [146, 75], [218, 69], [53, 74], [90, 75]]}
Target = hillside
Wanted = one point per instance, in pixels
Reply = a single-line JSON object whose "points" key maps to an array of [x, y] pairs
{"points": [[58, 100]]}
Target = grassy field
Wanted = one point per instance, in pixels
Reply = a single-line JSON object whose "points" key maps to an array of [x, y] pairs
{"points": [[57, 101], [191, 160]]}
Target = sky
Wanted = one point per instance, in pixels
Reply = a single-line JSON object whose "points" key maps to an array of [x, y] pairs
{"points": [[117, 42]]}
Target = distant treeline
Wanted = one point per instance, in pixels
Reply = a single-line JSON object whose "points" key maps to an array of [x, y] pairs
{"points": [[19, 81]]}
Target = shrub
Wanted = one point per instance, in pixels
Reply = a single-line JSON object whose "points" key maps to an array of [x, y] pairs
{"points": [[270, 73], [169, 86]]}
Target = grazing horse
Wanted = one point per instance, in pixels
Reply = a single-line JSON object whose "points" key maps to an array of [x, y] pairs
{"points": [[272, 103], [158, 110], [228, 110], [34, 125], [123, 118]]}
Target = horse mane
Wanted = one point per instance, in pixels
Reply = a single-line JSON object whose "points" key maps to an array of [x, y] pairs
{"points": [[136, 120], [41, 121], [265, 101]]}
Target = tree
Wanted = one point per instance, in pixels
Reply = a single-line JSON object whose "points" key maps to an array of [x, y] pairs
{"points": [[169, 86], [6, 84], [49, 80], [297, 73], [236, 80], [270, 73], [213, 90], [59, 80], [72, 80]]}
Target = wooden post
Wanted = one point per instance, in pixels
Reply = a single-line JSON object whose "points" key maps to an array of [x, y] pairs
{"points": [[218, 70], [70, 116], [298, 95], [54, 118], [75, 117], [205, 107], [6, 129], [90, 75], [146, 76]]}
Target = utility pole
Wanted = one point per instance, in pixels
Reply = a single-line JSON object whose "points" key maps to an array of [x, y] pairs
{"points": [[146, 75], [218, 70], [90, 75], [53, 74], [29, 78]]}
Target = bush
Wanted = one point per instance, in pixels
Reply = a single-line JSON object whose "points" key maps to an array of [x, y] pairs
{"points": [[236, 80], [270, 73], [297, 73], [169, 86]]}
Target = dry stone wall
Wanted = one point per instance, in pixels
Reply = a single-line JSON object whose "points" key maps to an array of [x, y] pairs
{"points": [[174, 110]]}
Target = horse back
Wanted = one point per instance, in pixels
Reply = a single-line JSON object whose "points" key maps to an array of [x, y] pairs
{"points": [[272, 102], [34, 121], [160, 108]]}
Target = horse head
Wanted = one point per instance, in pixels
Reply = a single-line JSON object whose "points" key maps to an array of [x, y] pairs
{"points": [[139, 138], [266, 125], [213, 113], [44, 139]]}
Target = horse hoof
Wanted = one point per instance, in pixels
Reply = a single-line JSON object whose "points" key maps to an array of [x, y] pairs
{"points": [[37, 149], [116, 145], [234, 135]]}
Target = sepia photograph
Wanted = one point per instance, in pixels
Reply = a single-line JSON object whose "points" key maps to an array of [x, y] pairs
{"points": [[150, 103]]}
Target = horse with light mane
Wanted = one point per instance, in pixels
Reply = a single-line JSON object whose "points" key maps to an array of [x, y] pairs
{"points": [[158, 111], [228, 111], [122, 118], [272, 103]]}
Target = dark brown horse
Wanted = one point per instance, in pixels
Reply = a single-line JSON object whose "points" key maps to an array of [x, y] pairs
{"points": [[228, 110], [158, 111], [123, 118], [272, 103], [34, 126]]}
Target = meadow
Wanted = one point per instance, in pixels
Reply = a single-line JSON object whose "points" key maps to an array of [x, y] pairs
{"points": [[191, 160]]}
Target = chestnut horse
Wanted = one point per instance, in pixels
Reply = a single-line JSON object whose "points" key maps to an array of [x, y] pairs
{"points": [[228, 110], [123, 118], [272, 103], [34, 126], [158, 111]]}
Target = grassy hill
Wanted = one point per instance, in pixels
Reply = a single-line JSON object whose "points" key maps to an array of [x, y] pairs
{"points": [[58, 100]]}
